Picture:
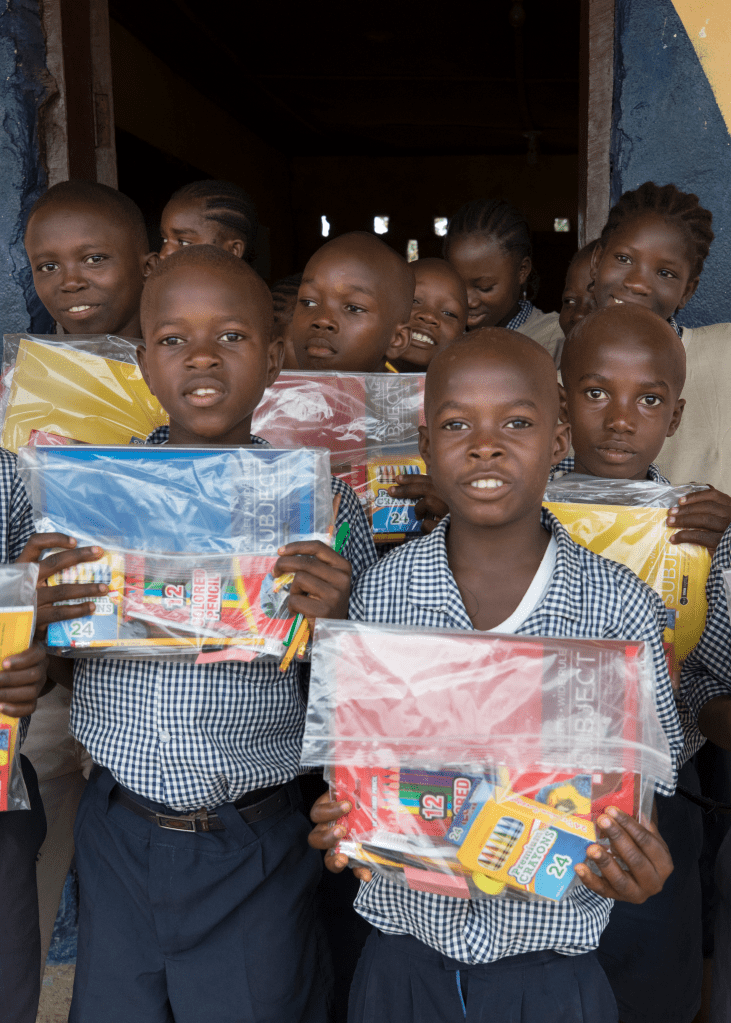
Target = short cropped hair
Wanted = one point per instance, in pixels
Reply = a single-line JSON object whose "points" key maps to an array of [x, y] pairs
{"points": [[106, 200], [209, 257]]}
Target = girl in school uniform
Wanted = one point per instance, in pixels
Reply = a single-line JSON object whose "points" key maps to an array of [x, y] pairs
{"points": [[488, 243]]}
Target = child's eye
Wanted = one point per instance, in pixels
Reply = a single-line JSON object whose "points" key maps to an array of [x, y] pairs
{"points": [[569, 301], [184, 241], [308, 303], [172, 339], [667, 274], [448, 312], [518, 424], [485, 291], [651, 400], [47, 268], [232, 335], [354, 308], [454, 424], [95, 259], [622, 258], [595, 393]]}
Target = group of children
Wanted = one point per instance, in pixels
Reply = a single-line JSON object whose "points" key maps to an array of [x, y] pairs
{"points": [[198, 869]]}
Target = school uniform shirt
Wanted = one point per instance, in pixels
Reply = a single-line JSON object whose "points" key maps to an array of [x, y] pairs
{"points": [[192, 736], [566, 466], [700, 449], [586, 596], [542, 327], [16, 525]]}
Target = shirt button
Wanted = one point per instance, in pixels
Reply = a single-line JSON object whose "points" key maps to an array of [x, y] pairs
{"points": [[163, 735]]}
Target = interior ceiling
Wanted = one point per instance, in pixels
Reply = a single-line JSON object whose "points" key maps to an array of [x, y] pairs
{"points": [[378, 79]]}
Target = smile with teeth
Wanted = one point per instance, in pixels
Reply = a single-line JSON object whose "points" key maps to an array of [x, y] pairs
{"points": [[203, 391], [483, 484], [79, 308], [418, 336]]}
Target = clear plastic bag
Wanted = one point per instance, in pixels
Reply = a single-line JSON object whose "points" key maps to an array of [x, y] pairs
{"points": [[17, 625], [190, 538], [370, 424], [477, 763], [84, 388], [625, 521]]}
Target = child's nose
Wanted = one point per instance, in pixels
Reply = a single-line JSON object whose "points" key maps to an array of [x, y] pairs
{"points": [[620, 419], [473, 298], [324, 320], [72, 279], [636, 279], [427, 316], [202, 355]]}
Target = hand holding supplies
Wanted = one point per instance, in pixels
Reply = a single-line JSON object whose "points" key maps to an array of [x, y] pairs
{"points": [[369, 422], [17, 624], [625, 520], [85, 388], [476, 764], [190, 537]]}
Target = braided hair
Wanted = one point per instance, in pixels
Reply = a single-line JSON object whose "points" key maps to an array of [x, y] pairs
{"points": [[283, 290], [681, 208], [228, 205], [498, 219]]}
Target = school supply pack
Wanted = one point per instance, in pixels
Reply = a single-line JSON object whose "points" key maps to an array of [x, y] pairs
{"points": [[625, 521], [17, 624], [190, 538], [369, 422], [81, 388], [476, 763]]}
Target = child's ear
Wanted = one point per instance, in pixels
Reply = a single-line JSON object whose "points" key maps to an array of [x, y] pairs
{"points": [[677, 416], [399, 342], [524, 270], [596, 258], [236, 247], [563, 407], [149, 262], [275, 358], [561, 443], [141, 361], [690, 289], [424, 446]]}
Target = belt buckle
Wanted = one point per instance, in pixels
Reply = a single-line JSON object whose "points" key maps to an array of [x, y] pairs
{"points": [[186, 822]]}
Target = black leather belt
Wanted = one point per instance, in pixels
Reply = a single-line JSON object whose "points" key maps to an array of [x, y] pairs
{"points": [[268, 801]]}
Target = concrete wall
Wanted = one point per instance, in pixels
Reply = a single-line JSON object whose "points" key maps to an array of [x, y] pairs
{"points": [[23, 89], [672, 75]]}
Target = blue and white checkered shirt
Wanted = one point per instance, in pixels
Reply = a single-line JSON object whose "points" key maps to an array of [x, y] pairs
{"points": [[525, 308], [676, 326], [566, 466], [193, 736], [707, 669], [588, 596], [16, 525]]}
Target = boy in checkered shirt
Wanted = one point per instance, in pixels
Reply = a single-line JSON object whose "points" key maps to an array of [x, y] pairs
{"points": [[499, 562], [196, 880]]}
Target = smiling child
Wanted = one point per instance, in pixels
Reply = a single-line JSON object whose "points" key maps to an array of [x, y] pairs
{"points": [[439, 313], [354, 306], [88, 249]]}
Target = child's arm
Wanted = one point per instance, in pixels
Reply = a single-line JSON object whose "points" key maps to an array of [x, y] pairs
{"points": [[702, 518], [429, 507]]}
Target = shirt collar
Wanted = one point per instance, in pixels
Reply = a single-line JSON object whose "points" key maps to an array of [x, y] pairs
{"points": [[161, 435], [566, 466], [432, 585]]}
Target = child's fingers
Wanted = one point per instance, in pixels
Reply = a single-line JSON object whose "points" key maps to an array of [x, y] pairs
{"points": [[700, 537], [324, 836], [334, 568], [30, 658], [325, 809], [641, 849], [49, 613], [411, 487], [21, 683], [40, 542], [314, 549], [70, 591], [701, 516], [431, 507], [66, 559]]}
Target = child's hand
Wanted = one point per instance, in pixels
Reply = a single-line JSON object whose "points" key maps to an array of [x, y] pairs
{"points": [[321, 585], [22, 678], [48, 596], [702, 518], [419, 487], [640, 848], [326, 837]]}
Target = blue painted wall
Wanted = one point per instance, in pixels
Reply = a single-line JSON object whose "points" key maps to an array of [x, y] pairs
{"points": [[668, 127], [23, 88]]}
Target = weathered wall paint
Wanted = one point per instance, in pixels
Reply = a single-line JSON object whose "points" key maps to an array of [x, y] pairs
{"points": [[667, 126], [23, 89]]}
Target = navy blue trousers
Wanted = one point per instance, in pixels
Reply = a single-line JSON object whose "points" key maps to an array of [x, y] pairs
{"points": [[401, 980], [653, 953], [21, 836], [180, 926]]}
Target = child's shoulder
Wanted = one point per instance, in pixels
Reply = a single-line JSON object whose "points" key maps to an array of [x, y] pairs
{"points": [[394, 571], [546, 330]]}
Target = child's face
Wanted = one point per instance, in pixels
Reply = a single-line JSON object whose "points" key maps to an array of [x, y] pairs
{"points": [[492, 432], [184, 222], [439, 314], [646, 261], [208, 354], [347, 315], [493, 277], [622, 399], [87, 268], [577, 301]]}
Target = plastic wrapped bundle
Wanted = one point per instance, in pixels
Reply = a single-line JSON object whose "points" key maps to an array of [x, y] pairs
{"points": [[190, 538], [369, 422], [477, 763], [625, 521], [17, 625], [82, 388]]}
